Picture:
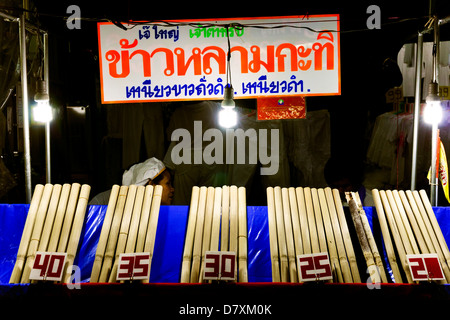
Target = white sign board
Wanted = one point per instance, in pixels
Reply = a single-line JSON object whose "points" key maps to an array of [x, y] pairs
{"points": [[187, 60]]}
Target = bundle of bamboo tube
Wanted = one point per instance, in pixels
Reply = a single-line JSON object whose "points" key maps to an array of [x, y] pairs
{"points": [[366, 239], [304, 221], [53, 224], [129, 226], [216, 215], [408, 217]]}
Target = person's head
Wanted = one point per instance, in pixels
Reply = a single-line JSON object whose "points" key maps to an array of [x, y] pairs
{"points": [[165, 180], [153, 172]]}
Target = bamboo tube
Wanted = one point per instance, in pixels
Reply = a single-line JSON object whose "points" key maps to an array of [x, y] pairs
{"points": [[420, 221], [153, 225], [26, 234], [242, 236], [396, 235], [281, 233], [50, 217], [215, 230], [293, 275], [436, 227], [224, 242], [190, 231], [400, 198], [59, 218], [113, 235], [342, 256], [233, 219], [364, 243], [443, 252], [296, 230], [124, 227], [145, 216], [319, 222], [68, 217], [371, 239], [198, 236], [346, 237], [75, 231], [100, 251], [405, 234], [303, 219], [36, 234], [386, 237], [135, 220], [315, 248], [207, 228], [330, 237], [273, 234]]}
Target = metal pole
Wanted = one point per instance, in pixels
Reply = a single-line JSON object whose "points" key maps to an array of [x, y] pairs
{"points": [[48, 172], [26, 117], [418, 94]]}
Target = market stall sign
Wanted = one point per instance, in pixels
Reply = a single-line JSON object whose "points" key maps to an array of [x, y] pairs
{"points": [[279, 108], [187, 60]]}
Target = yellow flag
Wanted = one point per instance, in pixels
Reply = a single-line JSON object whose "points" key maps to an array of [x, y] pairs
{"points": [[443, 170]]}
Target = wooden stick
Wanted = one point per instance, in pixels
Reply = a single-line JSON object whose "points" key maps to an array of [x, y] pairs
{"points": [[296, 230], [153, 225], [224, 242], [36, 234], [364, 243], [107, 220], [124, 227], [303, 218], [273, 234], [113, 235], [386, 237], [75, 232], [342, 255], [319, 222], [396, 235], [26, 234], [145, 216], [315, 248], [286, 212], [198, 237], [330, 237], [346, 237], [281, 233], [445, 254], [59, 218], [207, 228], [68, 218], [242, 235], [233, 219], [215, 231]]}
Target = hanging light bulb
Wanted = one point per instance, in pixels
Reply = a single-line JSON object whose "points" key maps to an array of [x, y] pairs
{"points": [[42, 112], [432, 114], [228, 116]]}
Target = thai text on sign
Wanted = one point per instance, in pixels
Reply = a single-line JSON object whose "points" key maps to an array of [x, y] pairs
{"points": [[187, 60]]}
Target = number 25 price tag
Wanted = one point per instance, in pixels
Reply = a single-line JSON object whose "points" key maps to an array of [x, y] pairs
{"points": [[313, 267]]}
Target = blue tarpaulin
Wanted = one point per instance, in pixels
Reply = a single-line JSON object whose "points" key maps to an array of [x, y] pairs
{"points": [[168, 254]]}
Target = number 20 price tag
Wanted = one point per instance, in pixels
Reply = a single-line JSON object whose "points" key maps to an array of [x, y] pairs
{"points": [[314, 267], [425, 267]]}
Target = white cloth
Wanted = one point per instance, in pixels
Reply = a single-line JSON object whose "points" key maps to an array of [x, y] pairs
{"points": [[141, 173]]}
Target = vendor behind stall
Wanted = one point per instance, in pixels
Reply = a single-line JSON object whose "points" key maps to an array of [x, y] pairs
{"points": [[151, 172]]}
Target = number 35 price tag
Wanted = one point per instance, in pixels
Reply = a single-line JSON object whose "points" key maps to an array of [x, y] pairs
{"points": [[133, 266], [314, 267]]}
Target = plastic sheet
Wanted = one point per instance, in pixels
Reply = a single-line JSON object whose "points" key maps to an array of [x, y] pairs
{"points": [[166, 263]]}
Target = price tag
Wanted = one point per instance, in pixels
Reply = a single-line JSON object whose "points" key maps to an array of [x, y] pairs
{"points": [[444, 92], [394, 95], [220, 265], [48, 266], [314, 267], [133, 266], [425, 267]]}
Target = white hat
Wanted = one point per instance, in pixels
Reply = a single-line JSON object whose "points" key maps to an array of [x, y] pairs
{"points": [[141, 173]]}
